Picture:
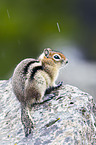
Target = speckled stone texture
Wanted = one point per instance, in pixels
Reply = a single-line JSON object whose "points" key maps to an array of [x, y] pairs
{"points": [[67, 117]]}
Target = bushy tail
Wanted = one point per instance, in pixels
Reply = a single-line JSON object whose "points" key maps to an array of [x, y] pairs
{"points": [[26, 119]]}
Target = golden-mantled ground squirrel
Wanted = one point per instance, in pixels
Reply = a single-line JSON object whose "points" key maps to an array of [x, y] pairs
{"points": [[33, 78]]}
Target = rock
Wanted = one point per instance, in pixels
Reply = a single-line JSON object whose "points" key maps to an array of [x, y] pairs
{"points": [[67, 116]]}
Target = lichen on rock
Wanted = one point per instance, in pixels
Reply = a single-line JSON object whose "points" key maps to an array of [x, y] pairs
{"points": [[66, 116]]}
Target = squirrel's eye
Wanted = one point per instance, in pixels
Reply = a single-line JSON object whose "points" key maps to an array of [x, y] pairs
{"points": [[57, 57]]}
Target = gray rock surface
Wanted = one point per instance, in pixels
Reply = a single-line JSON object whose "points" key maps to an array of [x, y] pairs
{"points": [[67, 117]]}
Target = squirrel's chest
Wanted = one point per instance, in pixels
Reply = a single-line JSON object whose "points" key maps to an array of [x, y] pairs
{"points": [[43, 79]]}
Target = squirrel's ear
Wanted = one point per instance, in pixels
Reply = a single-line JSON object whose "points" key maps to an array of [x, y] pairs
{"points": [[46, 52]]}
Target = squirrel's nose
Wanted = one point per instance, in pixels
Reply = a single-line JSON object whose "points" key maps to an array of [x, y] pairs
{"points": [[66, 61]]}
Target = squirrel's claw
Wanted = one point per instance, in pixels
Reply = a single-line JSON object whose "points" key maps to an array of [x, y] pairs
{"points": [[59, 84]]}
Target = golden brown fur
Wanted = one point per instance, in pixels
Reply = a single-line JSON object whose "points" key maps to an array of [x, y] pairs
{"points": [[31, 79]]}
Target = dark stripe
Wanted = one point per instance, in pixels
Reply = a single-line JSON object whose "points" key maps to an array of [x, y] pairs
{"points": [[34, 70], [28, 64]]}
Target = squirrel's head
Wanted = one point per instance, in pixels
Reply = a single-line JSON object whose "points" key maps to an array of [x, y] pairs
{"points": [[53, 58]]}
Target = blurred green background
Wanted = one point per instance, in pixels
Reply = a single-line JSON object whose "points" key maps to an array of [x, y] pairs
{"points": [[27, 27]]}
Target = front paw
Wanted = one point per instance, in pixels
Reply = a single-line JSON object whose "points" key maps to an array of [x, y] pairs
{"points": [[59, 85]]}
